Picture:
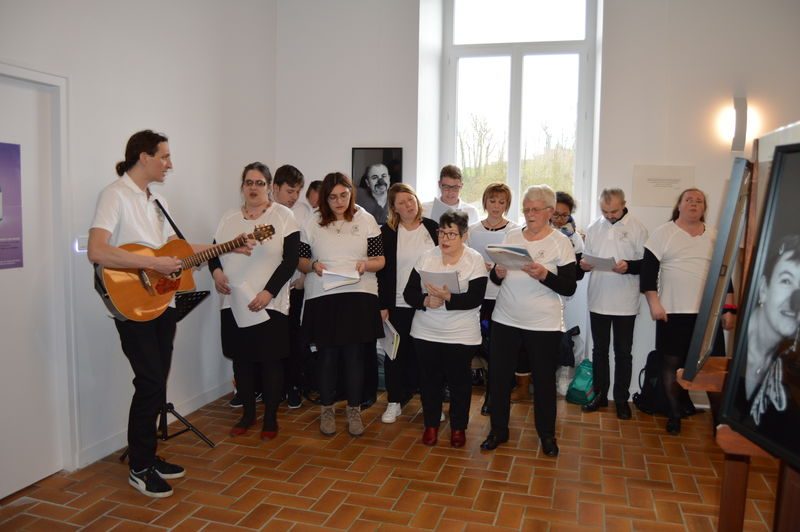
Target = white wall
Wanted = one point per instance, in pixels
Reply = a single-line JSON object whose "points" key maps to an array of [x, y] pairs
{"points": [[202, 72], [668, 66], [346, 77]]}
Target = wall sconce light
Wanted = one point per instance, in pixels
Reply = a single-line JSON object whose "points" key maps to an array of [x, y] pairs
{"points": [[740, 130]]}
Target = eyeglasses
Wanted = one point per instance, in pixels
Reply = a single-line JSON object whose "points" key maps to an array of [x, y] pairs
{"points": [[257, 182], [450, 187], [534, 210], [447, 235], [560, 216]]}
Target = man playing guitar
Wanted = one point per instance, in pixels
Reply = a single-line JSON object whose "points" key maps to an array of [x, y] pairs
{"points": [[127, 212]]}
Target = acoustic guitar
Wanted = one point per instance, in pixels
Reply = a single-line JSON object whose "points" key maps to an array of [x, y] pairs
{"points": [[143, 294]]}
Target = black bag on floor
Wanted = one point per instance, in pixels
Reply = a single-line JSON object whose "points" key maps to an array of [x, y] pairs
{"points": [[651, 398]]}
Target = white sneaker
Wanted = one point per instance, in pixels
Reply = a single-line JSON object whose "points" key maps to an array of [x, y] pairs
{"points": [[392, 411]]}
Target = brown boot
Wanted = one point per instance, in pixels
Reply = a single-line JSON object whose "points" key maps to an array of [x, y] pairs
{"points": [[521, 391]]}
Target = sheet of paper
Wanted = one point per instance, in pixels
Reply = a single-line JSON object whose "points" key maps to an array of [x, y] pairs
{"points": [[511, 257], [479, 240], [391, 340], [438, 209], [331, 280], [601, 264], [439, 279], [241, 296]]}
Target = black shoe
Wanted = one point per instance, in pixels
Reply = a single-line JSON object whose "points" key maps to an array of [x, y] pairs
{"points": [[312, 396], [446, 394], [149, 482], [236, 401], [367, 403], [674, 425], [596, 403], [623, 410], [166, 470], [294, 399], [491, 442], [688, 409], [487, 405], [549, 446]]}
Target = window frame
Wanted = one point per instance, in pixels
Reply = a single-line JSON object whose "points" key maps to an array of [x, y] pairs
{"points": [[585, 183]]}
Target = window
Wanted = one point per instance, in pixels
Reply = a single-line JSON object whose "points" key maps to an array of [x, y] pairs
{"points": [[519, 86]]}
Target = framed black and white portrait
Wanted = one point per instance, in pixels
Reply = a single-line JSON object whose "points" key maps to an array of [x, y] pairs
{"points": [[374, 171], [762, 393]]}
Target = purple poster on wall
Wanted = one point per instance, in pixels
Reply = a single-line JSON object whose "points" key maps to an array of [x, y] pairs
{"points": [[10, 207]]}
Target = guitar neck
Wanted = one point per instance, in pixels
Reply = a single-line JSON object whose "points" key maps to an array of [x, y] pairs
{"points": [[197, 259]]}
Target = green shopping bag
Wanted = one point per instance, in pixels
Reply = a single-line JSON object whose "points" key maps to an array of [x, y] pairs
{"points": [[581, 389]]}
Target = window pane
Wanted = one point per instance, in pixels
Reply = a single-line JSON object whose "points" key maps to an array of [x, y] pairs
{"points": [[482, 123], [496, 21], [549, 121]]}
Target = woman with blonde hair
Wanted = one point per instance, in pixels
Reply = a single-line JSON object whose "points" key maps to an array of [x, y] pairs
{"points": [[406, 236]]}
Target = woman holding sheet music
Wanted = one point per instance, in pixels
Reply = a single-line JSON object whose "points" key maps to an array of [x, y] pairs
{"points": [[529, 315], [491, 230], [445, 328], [342, 246], [255, 297], [406, 236]]}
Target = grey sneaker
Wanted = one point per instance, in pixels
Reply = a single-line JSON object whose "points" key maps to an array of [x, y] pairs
{"points": [[354, 424], [327, 420]]}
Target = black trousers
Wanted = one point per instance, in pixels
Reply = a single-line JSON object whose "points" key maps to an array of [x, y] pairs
{"points": [[298, 352], [269, 375], [602, 324], [437, 362], [148, 346], [402, 373], [351, 356], [370, 359], [541, 348]]}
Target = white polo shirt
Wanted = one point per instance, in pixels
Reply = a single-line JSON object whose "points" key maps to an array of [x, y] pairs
{"points": [[685, 260], [523, 301], [257, 269], [339, 245], [125, 211], [612, 293], [450, 326]]}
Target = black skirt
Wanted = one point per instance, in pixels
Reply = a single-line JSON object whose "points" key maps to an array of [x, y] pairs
{"points": [[257, 343], [342, 319]]}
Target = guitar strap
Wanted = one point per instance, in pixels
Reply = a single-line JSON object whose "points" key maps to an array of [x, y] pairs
{"points": [[169, 219]]}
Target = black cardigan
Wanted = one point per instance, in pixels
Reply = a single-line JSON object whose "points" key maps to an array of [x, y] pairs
{"points": [[387, 277]]}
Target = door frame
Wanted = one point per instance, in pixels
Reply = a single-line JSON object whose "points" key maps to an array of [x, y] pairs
{"points": [[63, 331]]}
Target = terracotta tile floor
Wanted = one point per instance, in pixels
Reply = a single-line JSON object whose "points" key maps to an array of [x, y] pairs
{"points": [[610, 475]]}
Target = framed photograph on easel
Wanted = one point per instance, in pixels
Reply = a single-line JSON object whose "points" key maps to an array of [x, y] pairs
{"points": [[762, 392]]}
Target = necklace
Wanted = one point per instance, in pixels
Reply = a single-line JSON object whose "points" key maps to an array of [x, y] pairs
{"points": [[338, 228], [253, 216], [492, 226]]}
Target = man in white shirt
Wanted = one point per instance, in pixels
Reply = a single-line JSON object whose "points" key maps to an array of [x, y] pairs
{"points": [[613, 296], [286, 187], [450, 184], [129, 212]]}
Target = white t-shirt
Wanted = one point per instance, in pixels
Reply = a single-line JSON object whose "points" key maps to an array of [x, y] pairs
{"points": [[450, 326], [526, 303], [468, 209], [302, 212], [685, 261], [492, 289], [125, 211], [410, 246], [256, 269], [339, 246], [612, 293]]}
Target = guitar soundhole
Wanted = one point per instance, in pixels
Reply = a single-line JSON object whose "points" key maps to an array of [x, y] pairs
{"points": [[166, 285]]}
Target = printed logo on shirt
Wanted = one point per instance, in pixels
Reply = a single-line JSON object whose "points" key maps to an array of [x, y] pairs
{"points": [[539, 256], [355, 231]]}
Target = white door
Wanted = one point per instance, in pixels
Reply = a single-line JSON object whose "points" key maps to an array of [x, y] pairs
{"points": [[31, 443]]}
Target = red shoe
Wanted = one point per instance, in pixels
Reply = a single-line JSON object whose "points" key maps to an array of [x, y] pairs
{"points": [[430, 436], [457, 438], [239, 429], [269, 434]]}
